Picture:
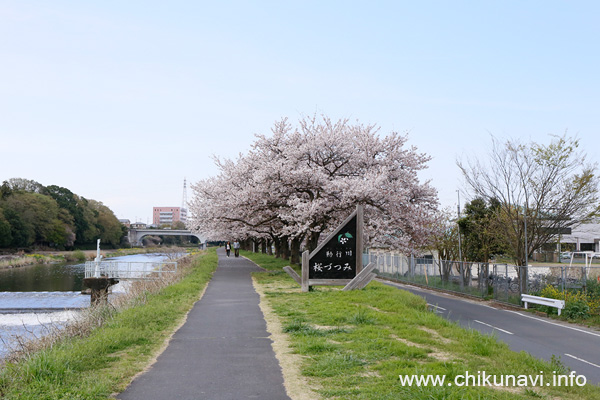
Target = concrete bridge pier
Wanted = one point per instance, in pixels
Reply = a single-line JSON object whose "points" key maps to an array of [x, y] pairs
{"points": [[99, 288]]}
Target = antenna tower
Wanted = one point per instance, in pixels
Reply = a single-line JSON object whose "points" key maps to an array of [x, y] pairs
{"points": [[184, 198]]}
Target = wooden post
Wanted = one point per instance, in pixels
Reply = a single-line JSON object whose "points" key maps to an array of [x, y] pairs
{"points": [[293, 274], [359, 238], [362, 279], [305, 270]]}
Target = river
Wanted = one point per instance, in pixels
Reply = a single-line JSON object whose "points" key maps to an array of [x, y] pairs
{"points": [[38, 297]]}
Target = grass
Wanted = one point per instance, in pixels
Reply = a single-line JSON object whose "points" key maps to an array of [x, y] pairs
{"points": [[355, 345], [29, 259], [102, 361]]}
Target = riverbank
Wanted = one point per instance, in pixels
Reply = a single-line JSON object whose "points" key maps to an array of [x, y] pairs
{"points": [[97, 358], [49, 257]]}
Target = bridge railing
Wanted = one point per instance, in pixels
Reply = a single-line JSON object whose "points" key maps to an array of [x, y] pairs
{"points": [[130, 270]]}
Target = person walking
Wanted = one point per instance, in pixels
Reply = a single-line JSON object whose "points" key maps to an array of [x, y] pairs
{"points": [[228, 248], [236, 248]]}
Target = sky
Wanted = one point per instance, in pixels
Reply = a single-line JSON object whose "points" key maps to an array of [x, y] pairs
{"points": [[121, 101]]}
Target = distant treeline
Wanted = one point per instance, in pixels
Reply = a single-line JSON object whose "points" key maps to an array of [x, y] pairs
{"points": [[33, 215]]}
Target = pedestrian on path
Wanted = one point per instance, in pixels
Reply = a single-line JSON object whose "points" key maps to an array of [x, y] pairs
{"points": [[236, 248], [228, 248]]}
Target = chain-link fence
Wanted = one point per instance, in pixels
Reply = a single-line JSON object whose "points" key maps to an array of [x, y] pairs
{"points": [[502, 282]]}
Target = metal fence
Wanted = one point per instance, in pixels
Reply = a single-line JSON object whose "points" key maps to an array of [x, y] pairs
{"points": [[499, 281], [129, 270]]}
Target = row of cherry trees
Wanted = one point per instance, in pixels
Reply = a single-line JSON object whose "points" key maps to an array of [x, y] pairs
{"points": [[297, 184]]}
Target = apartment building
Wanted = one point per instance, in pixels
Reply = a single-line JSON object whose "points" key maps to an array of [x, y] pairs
{"points": [[168, 215]]}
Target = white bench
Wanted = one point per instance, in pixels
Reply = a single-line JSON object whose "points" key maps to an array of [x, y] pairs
{"points": [[560, 304]]}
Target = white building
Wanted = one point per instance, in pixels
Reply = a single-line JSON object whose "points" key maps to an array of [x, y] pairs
{"points": [[585, 237]]}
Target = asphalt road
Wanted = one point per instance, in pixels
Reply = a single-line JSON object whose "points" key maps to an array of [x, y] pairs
{"points": [[578, 347], [222, 352]]}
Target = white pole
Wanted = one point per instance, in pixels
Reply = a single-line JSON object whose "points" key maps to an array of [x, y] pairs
{"points": [[97, 261]]}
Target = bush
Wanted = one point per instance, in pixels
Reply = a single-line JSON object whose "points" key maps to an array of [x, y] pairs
{"points": [[550, 292], [76, 255], [578, 309], [578, 304]]}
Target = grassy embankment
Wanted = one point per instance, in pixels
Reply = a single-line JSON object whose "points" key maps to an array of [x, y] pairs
{"points": [[95, 361], [77, 256], [354, 345]]}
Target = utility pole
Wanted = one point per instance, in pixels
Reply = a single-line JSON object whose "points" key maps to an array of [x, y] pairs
{"points": [[460, 260], [457, 224], [184, 204]]}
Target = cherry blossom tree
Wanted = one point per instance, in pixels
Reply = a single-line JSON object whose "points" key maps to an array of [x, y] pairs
{"points": [[300, 182]]}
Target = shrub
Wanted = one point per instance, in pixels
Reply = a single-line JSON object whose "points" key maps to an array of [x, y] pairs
{"points": [[76, 255], [79, 255], [578, 304], [551, 292], [578, 309]]}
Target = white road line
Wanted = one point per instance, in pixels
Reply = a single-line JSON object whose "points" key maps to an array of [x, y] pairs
{"points": [[433, 305], [492, 326], [554, 323], [582, 360]]}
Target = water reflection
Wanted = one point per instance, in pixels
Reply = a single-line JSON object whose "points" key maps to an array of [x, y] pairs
{"points": [[43, 278], [29, 294], [60, 277]]}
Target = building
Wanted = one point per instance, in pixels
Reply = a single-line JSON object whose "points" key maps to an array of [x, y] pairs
{"points": [[585, 237], [138, 225], [125, 222], [168, 215]]}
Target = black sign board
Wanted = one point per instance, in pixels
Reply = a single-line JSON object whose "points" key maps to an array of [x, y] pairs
{"points": [[336, 259]]}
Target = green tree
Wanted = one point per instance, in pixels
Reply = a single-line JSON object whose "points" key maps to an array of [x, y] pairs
{"points": [[108, 225], [87, 231], [38, 218], [540, 188], [75, 221], [5, 190], [479, 229], [5, 231], [25, 185], [23, 233]]}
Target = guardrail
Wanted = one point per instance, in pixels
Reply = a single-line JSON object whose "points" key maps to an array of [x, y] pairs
{"points": [[544, 301], [129, 270]]}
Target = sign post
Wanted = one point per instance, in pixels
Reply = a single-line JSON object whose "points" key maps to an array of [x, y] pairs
{"points": [[338, 259]]}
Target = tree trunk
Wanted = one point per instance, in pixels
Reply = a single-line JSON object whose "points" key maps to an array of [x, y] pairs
{"points": [[277, 243], [446, 268], [285, 247], [269, 247], [313, 240], [295, 251]]}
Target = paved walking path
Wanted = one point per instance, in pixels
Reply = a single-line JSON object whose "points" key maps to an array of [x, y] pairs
{"points": [[222, 351]]}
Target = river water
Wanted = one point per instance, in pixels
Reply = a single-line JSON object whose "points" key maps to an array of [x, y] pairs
{"points": [[37, 298]]}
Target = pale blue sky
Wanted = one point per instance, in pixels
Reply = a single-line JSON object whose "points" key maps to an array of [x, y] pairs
{"points": [[119, 101]]}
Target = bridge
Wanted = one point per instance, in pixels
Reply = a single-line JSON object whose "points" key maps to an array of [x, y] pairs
{"points": [[136, 235]]}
